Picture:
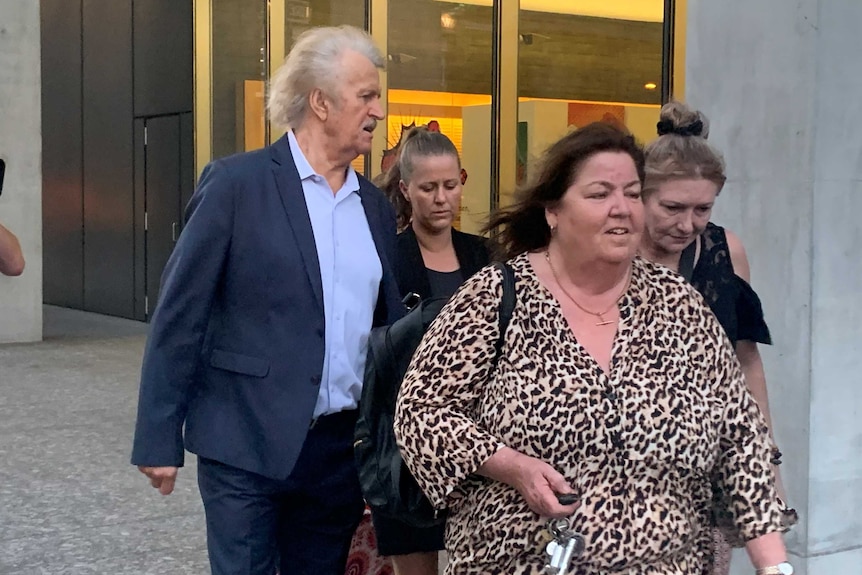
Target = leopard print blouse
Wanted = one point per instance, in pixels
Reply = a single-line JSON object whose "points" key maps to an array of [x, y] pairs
{"points": [[641, 445]]}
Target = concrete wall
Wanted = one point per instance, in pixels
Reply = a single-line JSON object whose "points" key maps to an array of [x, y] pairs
{"points": [[21, 147], [782, 84], [835, 464]]}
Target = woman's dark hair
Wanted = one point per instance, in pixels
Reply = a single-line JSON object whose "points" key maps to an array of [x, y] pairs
{"points": [[420, 142], [522, 227]]}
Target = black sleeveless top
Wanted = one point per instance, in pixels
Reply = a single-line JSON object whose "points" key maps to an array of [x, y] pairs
{"points": [[731, 298]]}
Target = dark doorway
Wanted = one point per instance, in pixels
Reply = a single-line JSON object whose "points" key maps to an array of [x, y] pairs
{"points": [[166, 179]]}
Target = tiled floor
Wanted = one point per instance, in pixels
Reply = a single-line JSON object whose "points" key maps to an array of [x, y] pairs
{"points": [[70, 503]]}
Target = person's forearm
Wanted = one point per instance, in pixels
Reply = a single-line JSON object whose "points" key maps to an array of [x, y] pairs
{"points": [[11, 258], [502, 466], [766, 550], [755, 376], [755, 379]]}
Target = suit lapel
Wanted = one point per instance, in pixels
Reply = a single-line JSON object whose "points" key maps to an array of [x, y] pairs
{"points": [[293, 200]]}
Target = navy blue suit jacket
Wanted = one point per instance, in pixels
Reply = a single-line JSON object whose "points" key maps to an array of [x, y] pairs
{"points": [[236, 346]]}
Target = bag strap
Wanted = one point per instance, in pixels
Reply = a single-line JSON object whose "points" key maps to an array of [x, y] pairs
{"points": [[507, 304], [686, 260]]}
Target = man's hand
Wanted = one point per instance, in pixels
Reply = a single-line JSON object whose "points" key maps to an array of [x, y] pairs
{"points": [[162, 478]]}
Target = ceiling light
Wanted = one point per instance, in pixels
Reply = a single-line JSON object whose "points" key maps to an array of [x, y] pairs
{"points": [[650, 86], [447, 20]]}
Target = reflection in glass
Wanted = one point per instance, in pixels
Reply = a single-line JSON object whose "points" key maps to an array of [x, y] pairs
{"points": [[580, 66], [300, 15], [238, 67], [240, 61], [439, 70]]}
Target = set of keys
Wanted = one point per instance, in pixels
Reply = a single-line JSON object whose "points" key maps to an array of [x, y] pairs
{"points": [[564, 545]]}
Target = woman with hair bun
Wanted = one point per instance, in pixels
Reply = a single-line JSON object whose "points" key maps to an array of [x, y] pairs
{"points": [[684, 176]]}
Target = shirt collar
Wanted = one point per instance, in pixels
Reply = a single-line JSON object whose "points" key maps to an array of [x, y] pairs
{"points": [[306, 172]]}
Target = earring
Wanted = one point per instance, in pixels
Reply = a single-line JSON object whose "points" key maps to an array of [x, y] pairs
{"points": [[553, 229]]}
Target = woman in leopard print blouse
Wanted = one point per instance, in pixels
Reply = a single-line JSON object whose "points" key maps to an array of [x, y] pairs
{"points": [[615, 383]]}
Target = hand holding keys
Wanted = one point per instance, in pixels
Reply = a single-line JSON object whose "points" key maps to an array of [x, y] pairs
{"points": [[566, 544]]}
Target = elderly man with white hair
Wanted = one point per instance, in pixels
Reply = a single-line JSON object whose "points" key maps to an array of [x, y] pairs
{"points": [[257, 345]]}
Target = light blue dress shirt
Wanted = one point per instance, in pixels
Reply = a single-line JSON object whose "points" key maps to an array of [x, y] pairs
{"points": [[351, 271]]}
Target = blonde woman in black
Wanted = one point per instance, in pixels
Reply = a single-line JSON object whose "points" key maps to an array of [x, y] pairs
{"points": [[433, 260]]}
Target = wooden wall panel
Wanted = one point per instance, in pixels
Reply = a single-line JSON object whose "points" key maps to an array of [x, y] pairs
{"points": [[103, 61], [592, 59], [108, 157], [163, 60], [62, 157]]}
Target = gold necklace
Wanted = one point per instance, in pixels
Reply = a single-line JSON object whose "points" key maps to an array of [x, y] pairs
{"points": [[598, 314]]}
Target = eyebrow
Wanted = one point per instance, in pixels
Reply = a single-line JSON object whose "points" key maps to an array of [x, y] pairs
{"points": [[606, 184], [434, 182], [674, 204]]}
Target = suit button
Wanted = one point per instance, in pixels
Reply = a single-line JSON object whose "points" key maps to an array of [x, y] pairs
{"points": [[315, 380]]}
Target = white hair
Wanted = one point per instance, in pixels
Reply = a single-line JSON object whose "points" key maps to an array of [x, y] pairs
{"points": [[312, 64]]}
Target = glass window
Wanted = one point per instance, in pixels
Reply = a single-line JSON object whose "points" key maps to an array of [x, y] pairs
{"points": [[581, 62], [299, 16], [439, 73], [241, 64], [577, 62], [238, 75]]}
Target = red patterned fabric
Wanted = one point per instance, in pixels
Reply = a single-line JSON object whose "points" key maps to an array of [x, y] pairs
{"points": [[363, 558]]}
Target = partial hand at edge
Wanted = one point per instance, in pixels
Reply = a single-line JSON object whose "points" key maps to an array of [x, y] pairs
{"points": [[536, 481], [162, 478]]}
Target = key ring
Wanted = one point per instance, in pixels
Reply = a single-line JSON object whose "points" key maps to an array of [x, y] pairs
{"points": [[558, 526]]}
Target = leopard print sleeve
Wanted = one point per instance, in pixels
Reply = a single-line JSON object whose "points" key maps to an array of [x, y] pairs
{"points": [[434, 424], [746, 502]]}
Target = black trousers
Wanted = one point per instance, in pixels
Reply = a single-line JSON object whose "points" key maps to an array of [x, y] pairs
{"points": [[302, 525]]}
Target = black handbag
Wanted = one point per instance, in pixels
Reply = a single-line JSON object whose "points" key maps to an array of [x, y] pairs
{"points": [[387, 484]]}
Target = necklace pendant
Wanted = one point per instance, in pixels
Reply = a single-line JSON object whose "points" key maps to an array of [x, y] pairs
{"points": [[602, 320]]}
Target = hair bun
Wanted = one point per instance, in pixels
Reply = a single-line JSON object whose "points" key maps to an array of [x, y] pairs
{"points": [[668, 126]]}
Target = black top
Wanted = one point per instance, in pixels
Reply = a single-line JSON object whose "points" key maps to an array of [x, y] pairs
{"points": [[731, 298], [444, 284], [411, 273]]}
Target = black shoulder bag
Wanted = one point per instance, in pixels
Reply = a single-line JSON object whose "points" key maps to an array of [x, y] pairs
{"points": [[387, 484]]}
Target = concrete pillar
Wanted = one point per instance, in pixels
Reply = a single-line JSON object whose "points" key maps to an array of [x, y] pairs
{"points": [[781, 82], [21, 148]]}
